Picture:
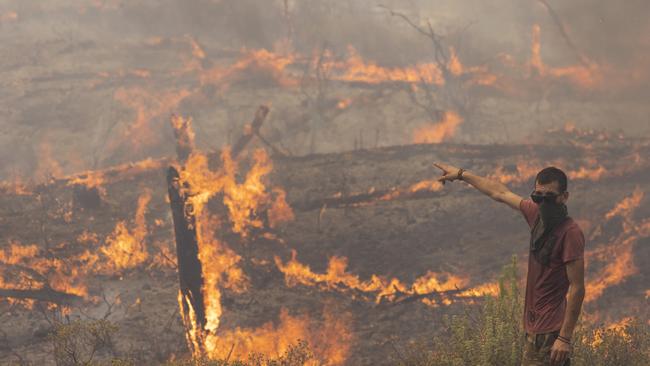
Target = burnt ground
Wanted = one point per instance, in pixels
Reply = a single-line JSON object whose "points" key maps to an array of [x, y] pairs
{"points": [[90, 85], [454, 230]]}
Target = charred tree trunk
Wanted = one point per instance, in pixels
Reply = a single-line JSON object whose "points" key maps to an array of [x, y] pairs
{"points": [[44, 294], [187, 250], [255, 126]]}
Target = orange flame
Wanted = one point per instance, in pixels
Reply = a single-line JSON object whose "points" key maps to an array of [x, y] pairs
{"points": [[439, 132], [125, 249], [627, 206], [244, 201], [422, 186], [148, 106], [10, 16], [619, 255], [60, 275], [262, 62], [330, 340], [97, 178], [584, 76], [356, 69], [220, 271], [619, 327], [336, 278], [15, 186]]}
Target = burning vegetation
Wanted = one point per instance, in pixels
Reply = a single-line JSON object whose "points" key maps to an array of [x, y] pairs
{"points": [[151, 221]]}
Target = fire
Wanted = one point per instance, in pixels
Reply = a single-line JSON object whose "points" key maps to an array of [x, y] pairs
{"points": [[330, 341], [15, 186], [126, 249], [618, 255], [619, 267], [344, 103], [280, 211], [97, 178], [627, 206], [10, 16], [336, 278], [586, 77], [245, 201], [440, 131], [276, 67], [455, 67], [422, 186], [261, 62], [488, 288], [619, 327], [148, 107], [221, 271], [356, 69], [525, 170], [43, 271], [587, 173], [17, 253], [184, 135], [197, 50]]}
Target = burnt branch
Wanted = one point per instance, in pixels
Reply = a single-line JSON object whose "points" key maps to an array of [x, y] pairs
{"points": [[254, 129], [45, 294]]}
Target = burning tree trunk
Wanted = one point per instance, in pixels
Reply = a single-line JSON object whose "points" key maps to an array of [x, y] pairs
{"points": [[187, 251]]}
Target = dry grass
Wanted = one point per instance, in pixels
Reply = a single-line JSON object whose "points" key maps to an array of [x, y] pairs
{"points": [[493, 335]]}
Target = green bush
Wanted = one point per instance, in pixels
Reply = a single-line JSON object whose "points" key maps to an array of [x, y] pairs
{"points": [[627, 345], [296, 355], [80, 342], [493, 335]]}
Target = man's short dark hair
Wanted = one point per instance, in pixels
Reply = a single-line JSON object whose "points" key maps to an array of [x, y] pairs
{"points": [[550, 175]]}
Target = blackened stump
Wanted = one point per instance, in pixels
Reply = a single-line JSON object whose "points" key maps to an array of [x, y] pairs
{"points": [[187, 250]]}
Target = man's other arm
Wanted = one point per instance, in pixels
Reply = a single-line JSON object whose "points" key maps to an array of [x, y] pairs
{"points": [[575, 271], [493, 189]]}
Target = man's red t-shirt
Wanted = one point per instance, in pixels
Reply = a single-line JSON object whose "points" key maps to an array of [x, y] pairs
{"points": [[546, 287]]}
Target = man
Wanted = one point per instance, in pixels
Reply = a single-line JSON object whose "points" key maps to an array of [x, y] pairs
{"points": [[555, 281]]}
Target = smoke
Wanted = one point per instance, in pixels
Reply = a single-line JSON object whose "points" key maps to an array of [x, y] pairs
{"points": [[68, 60]]}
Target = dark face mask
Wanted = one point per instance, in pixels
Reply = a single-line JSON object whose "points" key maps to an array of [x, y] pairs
{"points": [[551, 214]]}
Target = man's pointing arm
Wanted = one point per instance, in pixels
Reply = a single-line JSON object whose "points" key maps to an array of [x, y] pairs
{"points": [[495, 190]]}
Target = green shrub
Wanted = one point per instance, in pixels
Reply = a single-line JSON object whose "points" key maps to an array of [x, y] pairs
{"points": [[80, 342], [296, 355], [627, 345], [494, 335]]}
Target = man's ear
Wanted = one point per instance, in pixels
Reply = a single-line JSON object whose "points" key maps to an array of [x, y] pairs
{"points": [[565, 196]]}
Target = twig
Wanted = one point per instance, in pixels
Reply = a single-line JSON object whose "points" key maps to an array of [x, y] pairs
{"points": [[565, 35], [230, 353]]}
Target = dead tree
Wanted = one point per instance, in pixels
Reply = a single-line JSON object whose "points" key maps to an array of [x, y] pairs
{"points": [[190, 271], [453, 94], [184, 137], [254, 129], [187, 249]]}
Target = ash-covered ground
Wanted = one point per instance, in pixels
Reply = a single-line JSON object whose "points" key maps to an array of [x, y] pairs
{"points": [[362, 103]]}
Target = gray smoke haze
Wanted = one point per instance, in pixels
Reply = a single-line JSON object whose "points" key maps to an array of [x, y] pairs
{"points": [[56, 113]]}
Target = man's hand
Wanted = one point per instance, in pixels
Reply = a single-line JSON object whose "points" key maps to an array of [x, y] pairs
{"points": [[492, 188], [449, 173], [559, 352]]}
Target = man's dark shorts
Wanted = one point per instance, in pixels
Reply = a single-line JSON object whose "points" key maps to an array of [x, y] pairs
{"points": [[537, 350]]}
